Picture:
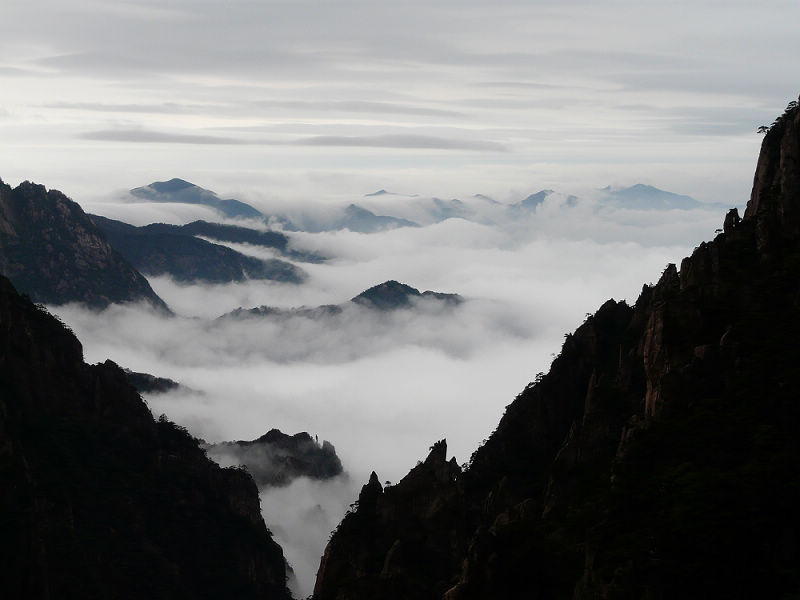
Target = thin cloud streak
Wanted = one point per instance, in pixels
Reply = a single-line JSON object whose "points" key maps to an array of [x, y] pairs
{"points": [[402, 141], [141, 136], [414, 142]]}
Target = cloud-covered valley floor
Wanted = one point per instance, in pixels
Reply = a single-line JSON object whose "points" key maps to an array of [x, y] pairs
{"points": [[383, 386]]}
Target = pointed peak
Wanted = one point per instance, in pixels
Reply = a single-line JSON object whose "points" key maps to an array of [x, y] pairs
{"points": [[438, 453]]}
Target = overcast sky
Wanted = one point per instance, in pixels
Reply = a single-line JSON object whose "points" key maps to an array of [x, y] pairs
{"points": [[297, 99]]}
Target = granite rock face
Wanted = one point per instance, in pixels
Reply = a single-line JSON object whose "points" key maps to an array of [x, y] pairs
{"points": [[53, 252], [657, 458]]}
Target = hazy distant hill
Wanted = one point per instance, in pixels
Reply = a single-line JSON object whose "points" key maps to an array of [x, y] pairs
{"points": [[52, 251], [529, 204], [353, 217], [184, 192], [647, 197], [173, 250]]}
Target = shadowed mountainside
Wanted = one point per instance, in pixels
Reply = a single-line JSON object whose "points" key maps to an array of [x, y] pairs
{"points": [[657, 459], [161, 249], [99, 500], [52, 251]]}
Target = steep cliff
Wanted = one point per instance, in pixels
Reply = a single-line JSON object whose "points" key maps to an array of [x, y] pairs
{"points": [[658, 458], [98, 499], [53, 252]]}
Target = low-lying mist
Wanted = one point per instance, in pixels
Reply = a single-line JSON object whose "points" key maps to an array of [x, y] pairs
{"points": [[383, 386]]}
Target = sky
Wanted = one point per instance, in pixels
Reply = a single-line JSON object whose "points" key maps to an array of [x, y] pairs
{"points": [[310, 105], [288, 100]]}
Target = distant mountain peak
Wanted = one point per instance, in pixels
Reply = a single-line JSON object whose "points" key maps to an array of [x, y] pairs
{"points": [[172, 185], [643, 196], [380, 192], [392, 294], [184, 192]]}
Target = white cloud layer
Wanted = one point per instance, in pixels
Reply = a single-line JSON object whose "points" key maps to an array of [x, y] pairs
{"points": [[382, 387]]}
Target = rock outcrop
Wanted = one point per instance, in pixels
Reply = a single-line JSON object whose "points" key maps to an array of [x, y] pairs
{"points": [[98, 499], [276, 459], [52, 252], [657, 459]]}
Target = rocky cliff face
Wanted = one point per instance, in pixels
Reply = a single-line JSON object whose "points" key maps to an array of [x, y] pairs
{"points": [[99, 500], [657, 459], [53, 252]]}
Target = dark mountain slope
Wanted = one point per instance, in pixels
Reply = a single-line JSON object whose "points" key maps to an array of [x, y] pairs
{"points": [[99, 500], [657, 459], [53, 252], [161, 249]]}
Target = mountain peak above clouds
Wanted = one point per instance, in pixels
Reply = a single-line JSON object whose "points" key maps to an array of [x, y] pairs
{"points": [[647, 197], [392, 294], [184, 192]]}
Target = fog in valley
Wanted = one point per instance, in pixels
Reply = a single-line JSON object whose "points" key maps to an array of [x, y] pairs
{"points": [[382, 386]]}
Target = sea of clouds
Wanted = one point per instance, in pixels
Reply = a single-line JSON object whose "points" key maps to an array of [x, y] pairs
{"points": [[383, 386]]}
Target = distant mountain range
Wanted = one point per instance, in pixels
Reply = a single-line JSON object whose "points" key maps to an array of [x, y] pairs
{"points": [[416, 210], [354, 217], [173, 250], [388, 296]]}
